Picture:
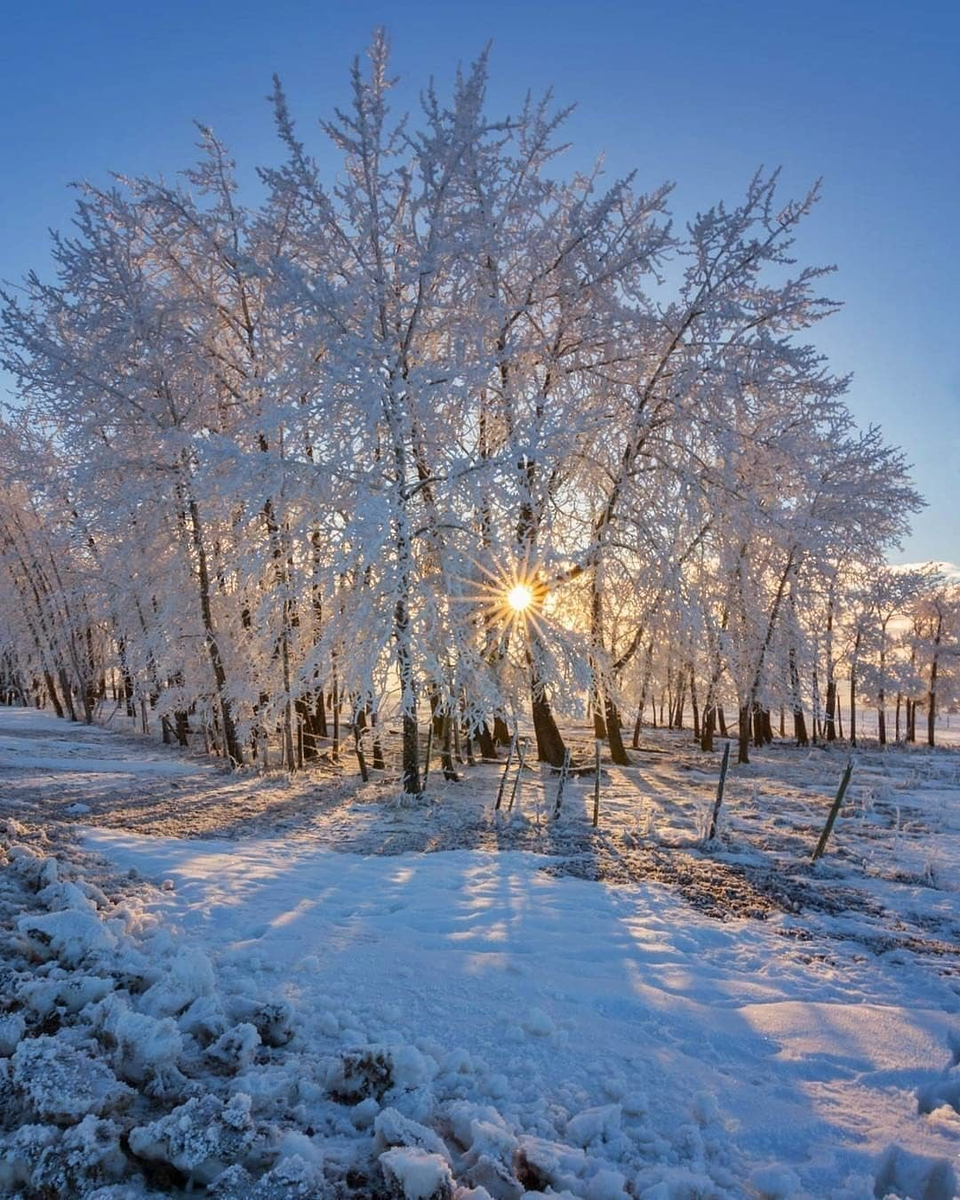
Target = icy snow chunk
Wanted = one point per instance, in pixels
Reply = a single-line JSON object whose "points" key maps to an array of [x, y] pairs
{"points": [[601, 1124], [62, 1083], [705, 1108], [392, 1128], [635, 1104], [33, 868], [146, 1048], [493, 1140], [272, 1019], [607, 1184], [291, 1179], [70, 936], [489, 1159], [537, 1023], [359, 1074], [62, 895], [88, 1155], [419, 1174], [540, 1164], [190, 976], [237, 1048], [943, 1092], [364, 1114], [904, 1174], [20, 1153], [12, 1029], [411, 1069], [775, 1183], [204, 1019], [200, 1138], [71, 992]]}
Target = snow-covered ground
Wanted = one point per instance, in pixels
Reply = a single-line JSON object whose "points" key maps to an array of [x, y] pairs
{"points": [[704, 1021]]}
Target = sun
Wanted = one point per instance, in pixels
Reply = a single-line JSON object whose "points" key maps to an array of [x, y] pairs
{"points": [[520, 597]]}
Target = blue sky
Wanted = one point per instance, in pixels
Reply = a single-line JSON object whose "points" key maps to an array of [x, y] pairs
{"points": [[866, 95]]}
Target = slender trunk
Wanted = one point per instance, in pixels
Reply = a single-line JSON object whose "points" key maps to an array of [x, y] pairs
{"points": [[230, 740], [744, 735], [707, 728], [853, 689], [932, 689]]}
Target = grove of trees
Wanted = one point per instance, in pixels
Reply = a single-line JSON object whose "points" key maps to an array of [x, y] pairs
{"points": [[278, 471]]}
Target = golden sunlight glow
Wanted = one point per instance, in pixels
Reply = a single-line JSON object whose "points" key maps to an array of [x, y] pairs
{"points": [[520, 597]]}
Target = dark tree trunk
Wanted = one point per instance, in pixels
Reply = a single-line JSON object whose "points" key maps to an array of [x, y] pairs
{"points": [[830, 712], [501, 734], [744, 735], [182, 728], [932, 689], [52, 693], [446, 748], [550, 747], [488, 748], [410, 756], [618, 752], [230, 741], [707, 727], [67, 693]]}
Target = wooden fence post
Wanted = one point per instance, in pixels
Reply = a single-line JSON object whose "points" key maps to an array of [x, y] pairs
{"points": [[596, 783], [834, 810], [564, 772], [715, 817], [506, 772]]}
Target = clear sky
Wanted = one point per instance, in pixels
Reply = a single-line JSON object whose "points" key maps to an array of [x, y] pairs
{"points": [[866, 95]]}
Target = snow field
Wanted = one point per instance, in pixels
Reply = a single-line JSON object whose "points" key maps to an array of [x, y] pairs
{"points": [[268, 1017]]}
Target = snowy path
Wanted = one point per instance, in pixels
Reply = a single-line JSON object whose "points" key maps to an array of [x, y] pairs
{"points": [[670, 1049]]}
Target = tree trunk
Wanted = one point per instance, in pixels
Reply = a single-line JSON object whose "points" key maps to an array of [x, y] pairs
{"points": [[932, 689], [488, 748], [744, 735], [829, 719], [707, 728], [501, 733], [618, 752], [230, 741]]}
